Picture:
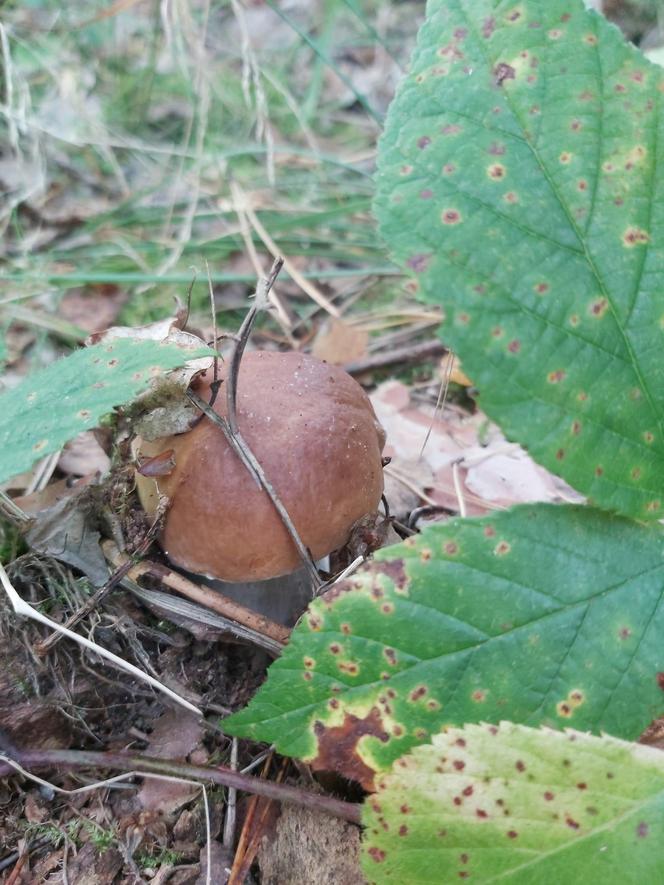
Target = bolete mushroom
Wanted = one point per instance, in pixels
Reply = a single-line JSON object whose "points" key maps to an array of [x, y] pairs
{"points": [[315, 434]]}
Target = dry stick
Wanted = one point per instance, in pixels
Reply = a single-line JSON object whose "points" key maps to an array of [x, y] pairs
{"points": [[212, 600], [254, 830], [99, 595], [442, 398], [108, 782], [244, 453], [282, 311], [230, 427], [225, 777], [312, 291], [410, 354]]}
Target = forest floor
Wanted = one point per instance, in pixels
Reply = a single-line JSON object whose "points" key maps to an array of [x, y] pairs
{"points": [[147, 150]]}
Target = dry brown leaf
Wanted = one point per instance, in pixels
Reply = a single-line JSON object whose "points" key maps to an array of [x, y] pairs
{"points": [[93, 308], [83, 456], [175, 735], [338, 343]]}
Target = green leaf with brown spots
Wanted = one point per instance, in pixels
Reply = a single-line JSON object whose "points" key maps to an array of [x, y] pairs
{"points": [[511, 804], [521, 183], [543, 614], [55, 404]]}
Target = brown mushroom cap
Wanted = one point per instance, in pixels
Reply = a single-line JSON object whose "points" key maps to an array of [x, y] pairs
{"points": [[314, 432]]}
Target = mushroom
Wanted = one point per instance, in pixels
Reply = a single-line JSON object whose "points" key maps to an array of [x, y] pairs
{"points": [[315, 434]]}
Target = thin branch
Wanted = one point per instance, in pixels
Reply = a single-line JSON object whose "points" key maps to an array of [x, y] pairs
{"points": [[412, 353], [230, 426], [77, 759], [260, 301], [244, 453], [43, 647], [211, 599], [107, 782]]}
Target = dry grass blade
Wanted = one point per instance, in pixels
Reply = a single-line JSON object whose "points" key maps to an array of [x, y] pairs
{"points": [[23, 609], [312, 291]]}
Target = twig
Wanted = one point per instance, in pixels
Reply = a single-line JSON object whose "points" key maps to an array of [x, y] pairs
{"points": [[43, 647], [282, 312], [260, 300], [231, 805], [414, 353], [230, 426], [212, 600], [442, 398], [118, 779], [142, 765], [458, 488], [12, 511], [23, 608], [169, 605], [244, 453], [312, 291]]}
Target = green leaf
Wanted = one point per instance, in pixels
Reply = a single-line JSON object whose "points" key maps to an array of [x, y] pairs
{"points": [[56, 403], [520, 180], [543, 615], [512, 804]]}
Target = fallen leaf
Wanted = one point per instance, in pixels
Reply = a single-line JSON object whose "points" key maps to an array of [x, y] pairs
{"points": [[93, 308], [175, 735], [83, 456], [338, 343]]}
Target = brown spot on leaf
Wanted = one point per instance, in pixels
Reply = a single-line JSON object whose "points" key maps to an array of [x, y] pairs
{"points": [[376, 854], [599, 307], [496, 171], [479, 696], [502, 72], [337, 746], [557, 376], [635, 236], [502, 549], [419, 263], [451, 216], [514, 346], [423, 142], [660, 680], [573, 824], [642, 830], [512, 834], [451, 548], [395, 570], [549, 796]]}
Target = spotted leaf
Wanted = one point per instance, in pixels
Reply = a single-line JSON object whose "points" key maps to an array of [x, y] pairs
{"points": [[544, 614], [519, 183], [512, 804], [55, 404]]}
